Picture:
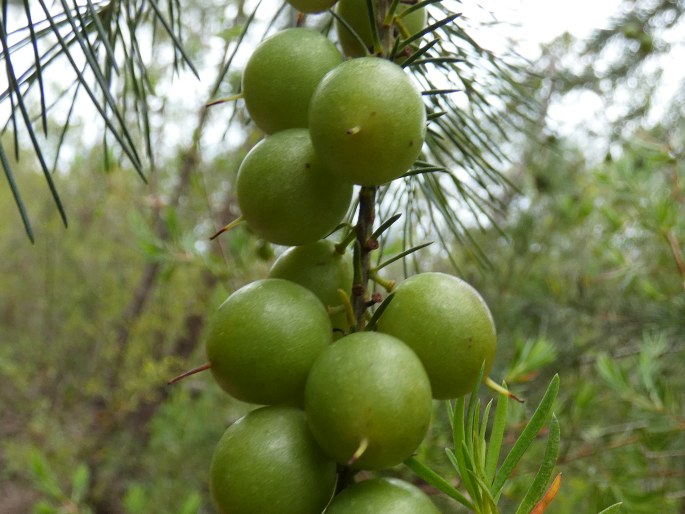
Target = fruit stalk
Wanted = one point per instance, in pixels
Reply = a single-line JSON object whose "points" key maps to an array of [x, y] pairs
{"points": [[362, 249]]}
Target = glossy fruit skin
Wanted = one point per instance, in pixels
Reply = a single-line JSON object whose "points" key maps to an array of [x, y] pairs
{"points": [[382, 496], [281, 75], [312, 6], [263, 340], [321, 269], [286, 195], [449, 326], [368, 386], [267, 462], [367, 121], [355, 13]]}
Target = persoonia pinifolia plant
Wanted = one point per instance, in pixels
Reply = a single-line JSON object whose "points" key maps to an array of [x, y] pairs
{"points": [[475, 455], [354, 28], [368, 396]]}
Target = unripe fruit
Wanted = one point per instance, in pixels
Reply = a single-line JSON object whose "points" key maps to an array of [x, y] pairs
{"points": [[312, 6], [382, 496], [281, 75], [449, 326], [264, 339], [368, 394], [321, 269], [356, 14], [268, 463], [367, 121], [286, 195]]}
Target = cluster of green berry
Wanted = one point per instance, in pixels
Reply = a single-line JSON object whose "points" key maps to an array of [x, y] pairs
{"points": [[336, 398]]}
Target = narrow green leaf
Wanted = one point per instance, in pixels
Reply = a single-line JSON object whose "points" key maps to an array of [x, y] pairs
{"points": [[79, 483], [173, 37], [453, 460], [436, 60], [417, 6], [371, 10], [469, 473], [227, 65], [402, 255], [385, 225], [65, 128], [537, 421], [482, 445], [429, 29], [36, 58], [129, 151], [539, 485], [416, 55], [351, 30], [435, 115], [15, 193], [434, 479], [422, 171], [43, 476], [484, 491], [29, 127], [439, 92], [496, 437], [459, 439], [104, 86], [613, 509]]}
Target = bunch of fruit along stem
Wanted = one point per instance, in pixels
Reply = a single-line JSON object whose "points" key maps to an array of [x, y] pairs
{"points": [[342, 390]]}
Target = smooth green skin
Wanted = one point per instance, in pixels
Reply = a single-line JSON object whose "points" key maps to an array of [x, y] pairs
{"points": [[369, 386], [264, 339], [281, 75], [367, 121], [312, 6], [285, 194], [268, 463], [321, 269], [449, 326], [382, 496], [356, 14]]}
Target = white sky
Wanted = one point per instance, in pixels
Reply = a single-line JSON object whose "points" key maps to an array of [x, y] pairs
{"points": [[540, 21]]}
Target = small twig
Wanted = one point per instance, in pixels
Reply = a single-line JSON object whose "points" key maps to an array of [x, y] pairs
{"points": [[362, 260]]}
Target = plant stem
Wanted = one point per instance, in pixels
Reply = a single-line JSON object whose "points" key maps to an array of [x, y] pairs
{"points": [[384, 31], [362, 251]]}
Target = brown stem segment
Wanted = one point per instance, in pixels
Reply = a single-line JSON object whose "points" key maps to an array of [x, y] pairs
{"points": [[188, 373], [362, 250]]}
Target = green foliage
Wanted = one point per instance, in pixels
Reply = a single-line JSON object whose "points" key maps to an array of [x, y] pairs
{"points": [[474, 455]]}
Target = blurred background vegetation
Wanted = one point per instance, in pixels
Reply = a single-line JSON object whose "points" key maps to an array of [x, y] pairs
{"points": [[582, 263]]}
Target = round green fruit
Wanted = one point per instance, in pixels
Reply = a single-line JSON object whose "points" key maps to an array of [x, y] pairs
{"points": [[356, 14], [264, 339], [449, 326], [281, 75], [286, 195], [367, 121], [312, 6], [268, 463], [320, 268], [368, 401], [382, 496]]}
